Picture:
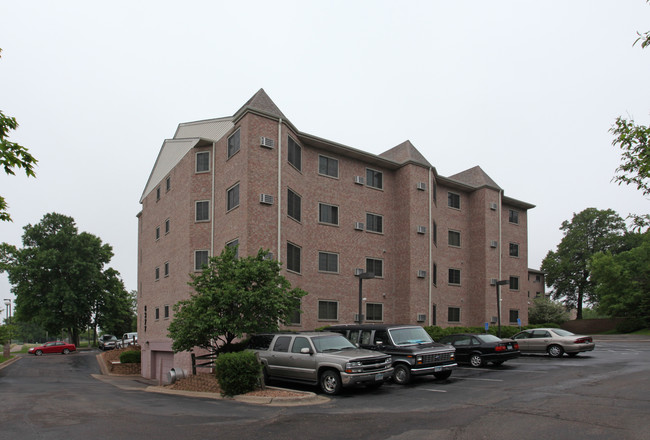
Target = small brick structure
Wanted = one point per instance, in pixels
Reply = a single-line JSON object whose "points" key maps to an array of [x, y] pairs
{"points": [[112, 360]]}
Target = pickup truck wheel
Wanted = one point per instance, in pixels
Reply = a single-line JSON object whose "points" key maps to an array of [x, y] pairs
{"points": [[65, 351], [402, 374], [442, 375], [330, 382]]}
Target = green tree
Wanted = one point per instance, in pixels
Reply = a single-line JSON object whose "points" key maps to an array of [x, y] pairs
{"points": [[12, 156], [58, 274], [115, 309], [233, 297], [544, 310], [623, 281], [567, 269]]}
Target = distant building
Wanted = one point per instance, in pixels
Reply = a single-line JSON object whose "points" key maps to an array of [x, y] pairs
{"points": [[436, 245]]}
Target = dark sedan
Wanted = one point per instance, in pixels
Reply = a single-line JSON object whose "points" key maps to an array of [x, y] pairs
{"points": [[53, 347], [478, 350]]}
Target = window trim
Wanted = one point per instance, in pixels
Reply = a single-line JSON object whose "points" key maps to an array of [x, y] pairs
{"points": [[328, 158], [510, 247], [299, 271], [234, 242], [459, 313], [289, 211], [207, 253], [237, 133], [196, 162], [166, 311], [449, 235], [381, 173], [382, 266], [228, 207], [318, 317], [157, 233], [196, 211], [335, 207], [157, 273], [381, 305], [460, 279], [167, 226], [510, 216], [381, 217], [337, 262], [299, 150], [511, 279], [449, 205], [168, 183], [166, 269], [157, 314]]}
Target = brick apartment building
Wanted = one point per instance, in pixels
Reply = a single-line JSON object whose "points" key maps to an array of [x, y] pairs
{"points": [[327, 211]]}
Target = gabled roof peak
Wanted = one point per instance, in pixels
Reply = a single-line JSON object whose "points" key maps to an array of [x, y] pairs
{"points": [[260, 102], [475, 177], [405, 152]]}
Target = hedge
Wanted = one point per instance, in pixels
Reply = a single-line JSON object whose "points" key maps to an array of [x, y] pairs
{"points": [[237, 373], [130, 357]]}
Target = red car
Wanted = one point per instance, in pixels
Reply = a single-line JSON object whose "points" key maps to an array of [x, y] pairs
{"points": [[53, 347]]}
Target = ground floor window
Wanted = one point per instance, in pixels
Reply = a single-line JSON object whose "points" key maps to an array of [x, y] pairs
{"points": [[374, 312], [328, 310], [514, 315], [453, 314]]}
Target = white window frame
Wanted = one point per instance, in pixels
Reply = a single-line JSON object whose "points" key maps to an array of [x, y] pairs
{"points": [[196, 162]]}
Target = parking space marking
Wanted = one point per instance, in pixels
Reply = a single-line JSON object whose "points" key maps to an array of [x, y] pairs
{"points": [[475, 378], [434, 391]]}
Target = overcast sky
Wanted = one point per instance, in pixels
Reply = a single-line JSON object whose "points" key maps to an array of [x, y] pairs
{"points": [[527, 90]]}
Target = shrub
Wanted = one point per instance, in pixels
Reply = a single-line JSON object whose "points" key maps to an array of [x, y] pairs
{"points": [[237, 373], [630, 325], [130, 357]]}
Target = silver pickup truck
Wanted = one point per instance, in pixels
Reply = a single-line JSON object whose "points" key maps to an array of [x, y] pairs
{"points": [[323, 358]]}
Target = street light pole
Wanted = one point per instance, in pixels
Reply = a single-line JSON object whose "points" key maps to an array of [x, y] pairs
{"points": [[363, 276], [7, 347], [499, 284]]}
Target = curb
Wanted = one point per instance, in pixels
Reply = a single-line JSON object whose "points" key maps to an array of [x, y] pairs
{"points": [[307, 398], [10, 361]]}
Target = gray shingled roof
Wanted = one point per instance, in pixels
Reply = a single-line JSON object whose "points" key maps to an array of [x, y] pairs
{"points": [[405, 152], [262, 103], [475, 177]]}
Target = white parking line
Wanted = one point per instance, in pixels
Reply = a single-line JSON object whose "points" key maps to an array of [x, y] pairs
{"points": [[436, 391], [484, 380]]}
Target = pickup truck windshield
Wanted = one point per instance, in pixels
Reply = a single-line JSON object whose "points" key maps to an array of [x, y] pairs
{"points": [[410, 336], [331, 343]]}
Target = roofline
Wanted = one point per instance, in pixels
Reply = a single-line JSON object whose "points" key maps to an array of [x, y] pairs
{"points": [[517, 203], [202, 121]]}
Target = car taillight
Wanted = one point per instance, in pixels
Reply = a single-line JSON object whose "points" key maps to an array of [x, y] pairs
{"points": [[500, 348], [516, 346], [582, 340]]}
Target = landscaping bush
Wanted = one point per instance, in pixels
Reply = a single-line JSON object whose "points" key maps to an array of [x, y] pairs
{"points": [[130, 357], [237, 373], [630, 325]]}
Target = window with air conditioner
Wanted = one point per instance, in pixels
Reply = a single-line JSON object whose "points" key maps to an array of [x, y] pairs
{"points": [[374, 178], [374, 223]]}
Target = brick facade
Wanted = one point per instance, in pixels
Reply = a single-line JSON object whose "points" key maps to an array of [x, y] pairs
{"points": [[412, 247]]}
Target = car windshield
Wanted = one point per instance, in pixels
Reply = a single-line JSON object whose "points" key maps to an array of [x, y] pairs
{"points": [[409, 336], [331, 343], [560, 332], [488, 338]]}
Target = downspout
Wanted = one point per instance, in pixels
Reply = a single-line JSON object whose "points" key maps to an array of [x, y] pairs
{"points": [[279, 226], [430, 248], [212, 202], [500, 246]]}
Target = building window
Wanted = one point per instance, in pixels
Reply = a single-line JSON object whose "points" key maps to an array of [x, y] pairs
{"points": [[514, 283], [453, 200], [514, 250], [328, 166], [233, 144], [168, 184], [454, 276], [374, 312], [295, 317], [293, 258], [233, 197], [157, 313], [200, 259], [295, 154], [435, 193], [454, 238], [513, 216], [453, 314], [374, 178], [167, 268], [328, 262], [202, 211], [203, 162], [328, 310], [514, 316], [166, 312], [167, 226], [434, 275], [538, 278], [435, 234], [328, 214], [376, 266], [157, 273], [157, 194], [374, 223], [157, 232], [234, 244], [293, 205]]}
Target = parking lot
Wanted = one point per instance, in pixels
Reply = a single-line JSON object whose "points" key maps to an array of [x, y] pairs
{"points": [[604, 394]]}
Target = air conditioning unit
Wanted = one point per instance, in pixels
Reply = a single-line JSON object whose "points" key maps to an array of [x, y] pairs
{"points": [[494, 320], [422, 273], [421, 186], [422, 317], [422, 229], [494, 243], [493, 206], [493, 281], [267, 199], [358, 180], [358, 226], [358, 271], [267, 142]]}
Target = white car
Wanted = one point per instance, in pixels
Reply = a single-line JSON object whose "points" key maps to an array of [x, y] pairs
{"points": [[553, 341]]}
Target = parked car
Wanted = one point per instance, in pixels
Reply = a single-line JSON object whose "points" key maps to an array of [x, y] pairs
{"points": [[479, 349], [412, 350], [554, 341], [107, 342], [127, 339], [323, 358], [52, 347]]}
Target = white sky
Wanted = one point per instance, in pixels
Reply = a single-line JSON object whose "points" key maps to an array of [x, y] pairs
{"points": [[525, 89]]}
